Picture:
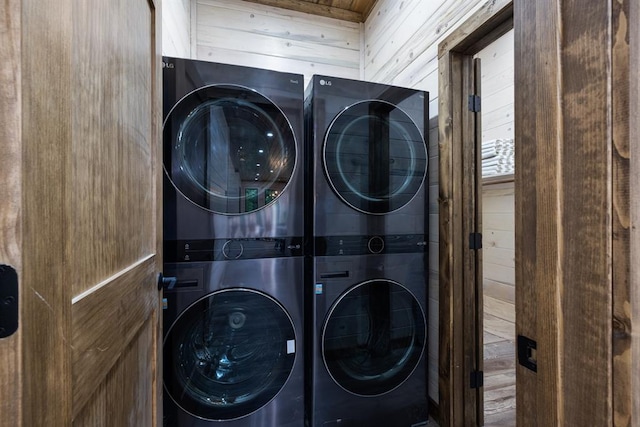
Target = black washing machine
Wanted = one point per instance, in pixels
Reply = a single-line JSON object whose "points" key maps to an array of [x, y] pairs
{"points": [[233, 227], [367, 365], [366, 254], [233, 148], [233, 347], [366, 158]]}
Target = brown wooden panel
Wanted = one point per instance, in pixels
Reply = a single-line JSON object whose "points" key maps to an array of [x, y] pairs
{"points": [[116, 402], [622, 317], [97, 342], [634, 190], [10, 194], [46, 132], [109, 196], [450, 340], [584, 250], [525, 202]]}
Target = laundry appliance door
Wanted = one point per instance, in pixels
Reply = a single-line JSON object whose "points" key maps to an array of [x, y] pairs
{"points": [[229, 149], [373, 338], [375, 157], [228, 354]]}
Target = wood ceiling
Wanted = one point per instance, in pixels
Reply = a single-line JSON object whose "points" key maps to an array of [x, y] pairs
{"points": [[346, 10]]}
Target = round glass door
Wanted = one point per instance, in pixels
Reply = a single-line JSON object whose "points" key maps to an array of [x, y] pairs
{"points": [[373, 338], [228, 354], [374, 157], [229, 149]]}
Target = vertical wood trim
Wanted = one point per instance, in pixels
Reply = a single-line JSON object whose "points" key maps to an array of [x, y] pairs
{"points": [[622, 319], [156, 160], [459, 184], [468, 285], [525, 203], [476, 153], [585, 228], [46, 138], [10, 194], [451, 351], [634, 147]]}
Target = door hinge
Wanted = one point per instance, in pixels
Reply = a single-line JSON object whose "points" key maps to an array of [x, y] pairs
{"points": [[474, 103], [475, 241], [527, 353], [477, 379]]}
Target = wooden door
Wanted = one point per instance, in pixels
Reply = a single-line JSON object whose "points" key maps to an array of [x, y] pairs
{"points": [[80, 163], [575, 271]]}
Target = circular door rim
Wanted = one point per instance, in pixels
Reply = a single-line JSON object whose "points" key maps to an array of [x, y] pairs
{"points": [[296, 147], [343, 295], [328, 175], [219, 291]]}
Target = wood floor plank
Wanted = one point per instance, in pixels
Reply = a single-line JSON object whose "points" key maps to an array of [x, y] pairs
{"points": [[501, 309], [502, 291], [499, 327]]}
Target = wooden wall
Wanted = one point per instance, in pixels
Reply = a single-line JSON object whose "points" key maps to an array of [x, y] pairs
{"points": [[577, 290], [242, 33], [497, 88], [176, 28], [498, 233]]}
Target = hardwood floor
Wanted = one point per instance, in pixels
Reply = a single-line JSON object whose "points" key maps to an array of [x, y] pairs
{"points": [[499, 355]]}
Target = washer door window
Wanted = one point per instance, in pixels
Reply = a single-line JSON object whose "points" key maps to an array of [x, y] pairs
{"points": [[373, 338], [229, 149], [375, 157], [228, 354]]}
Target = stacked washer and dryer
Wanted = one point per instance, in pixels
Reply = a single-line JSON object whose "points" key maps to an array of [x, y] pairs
{"points": [[366, 301], [263, 249], [233, 237]]}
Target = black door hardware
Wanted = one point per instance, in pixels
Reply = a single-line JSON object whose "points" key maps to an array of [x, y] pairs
{"points": [[8, 301]]}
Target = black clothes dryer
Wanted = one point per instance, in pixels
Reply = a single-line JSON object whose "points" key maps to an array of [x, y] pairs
{"points": [[233, 148], [366, 158], [367, 326], [232, 350]]}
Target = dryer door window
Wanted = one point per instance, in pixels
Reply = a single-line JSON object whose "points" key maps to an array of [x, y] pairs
{"points": [[228, 354], [229, 149], [373, 338], [375, 157]]}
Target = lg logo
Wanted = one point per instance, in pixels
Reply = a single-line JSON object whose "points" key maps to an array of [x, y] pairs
{"points": [[325, 82], [167, 65]]}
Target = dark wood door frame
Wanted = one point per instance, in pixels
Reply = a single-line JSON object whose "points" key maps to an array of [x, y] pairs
{"points": [[459, 181]]}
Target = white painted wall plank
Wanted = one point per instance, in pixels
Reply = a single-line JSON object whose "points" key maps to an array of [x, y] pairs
{"points": [[176, 28], [249, 34]]}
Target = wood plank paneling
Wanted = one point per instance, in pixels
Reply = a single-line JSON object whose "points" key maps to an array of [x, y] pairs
{"points": [[584, 150], [355, 11], [580, 152], [176, 28], [634, 191], [621, 259], [422, 25], [10, 194], [255, 35]]}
